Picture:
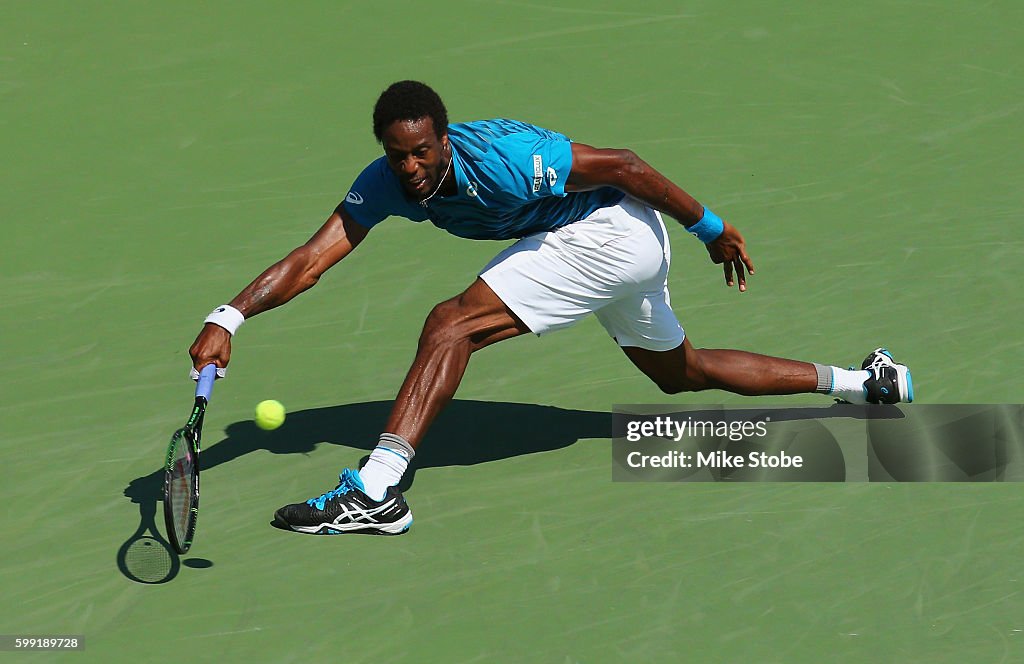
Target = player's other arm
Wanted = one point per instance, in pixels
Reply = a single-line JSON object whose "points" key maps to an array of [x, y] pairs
{"points": [[623, 169], [279, 283]]}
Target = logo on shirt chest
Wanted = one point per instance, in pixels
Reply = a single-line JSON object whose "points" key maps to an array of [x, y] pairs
{"points": [[471, 190], [538, 173]]}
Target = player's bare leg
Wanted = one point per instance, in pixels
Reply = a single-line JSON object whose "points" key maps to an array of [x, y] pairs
{"points": [[689, 369], [453, 331], [367, 500]]}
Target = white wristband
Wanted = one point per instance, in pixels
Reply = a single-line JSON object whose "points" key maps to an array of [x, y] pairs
{"points": [[226, 316]]}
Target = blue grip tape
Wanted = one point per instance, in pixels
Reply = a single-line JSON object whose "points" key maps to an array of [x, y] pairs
{"points": [[206, 377]]}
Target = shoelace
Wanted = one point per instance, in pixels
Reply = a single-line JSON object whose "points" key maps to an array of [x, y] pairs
{"points": [[347, 482]]}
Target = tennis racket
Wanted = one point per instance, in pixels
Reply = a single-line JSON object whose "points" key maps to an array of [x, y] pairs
{"points": [[181, 471]]}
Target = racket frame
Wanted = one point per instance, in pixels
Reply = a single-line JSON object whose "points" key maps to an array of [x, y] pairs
{"points": [[191, 435]]}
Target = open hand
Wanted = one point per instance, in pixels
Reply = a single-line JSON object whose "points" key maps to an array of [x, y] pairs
{"points": [[730, 251]]}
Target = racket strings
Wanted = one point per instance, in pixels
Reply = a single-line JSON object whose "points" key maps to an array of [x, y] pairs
{"points": [[182, 492]]}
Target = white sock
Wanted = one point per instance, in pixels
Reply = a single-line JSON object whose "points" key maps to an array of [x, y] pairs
{"points": [[848, 384], [386, 465]]}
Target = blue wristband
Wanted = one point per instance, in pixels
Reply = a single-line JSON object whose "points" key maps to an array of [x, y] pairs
{"points": [[708, 228]]}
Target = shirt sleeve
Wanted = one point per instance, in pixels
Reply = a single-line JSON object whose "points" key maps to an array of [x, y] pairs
{"points": [[371, 197], [529, 166]]}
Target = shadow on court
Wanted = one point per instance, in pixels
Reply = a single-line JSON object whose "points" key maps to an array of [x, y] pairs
{"points": [[146, 557], [466, 433]]}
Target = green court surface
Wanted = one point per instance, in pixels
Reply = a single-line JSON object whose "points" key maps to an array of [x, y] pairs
{"points": [[157, 156]]}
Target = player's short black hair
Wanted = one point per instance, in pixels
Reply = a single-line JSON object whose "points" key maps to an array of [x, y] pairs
{"points": [[409, 100]]}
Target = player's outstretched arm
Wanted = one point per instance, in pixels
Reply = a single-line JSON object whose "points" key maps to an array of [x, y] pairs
{"points": [[623, 169], [279, 283]]}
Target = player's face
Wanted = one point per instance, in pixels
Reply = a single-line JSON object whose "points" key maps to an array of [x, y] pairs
{"points": [[417, 156]]}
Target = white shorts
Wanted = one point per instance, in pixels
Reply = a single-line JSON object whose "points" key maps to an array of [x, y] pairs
{"points": [[614, 264]]}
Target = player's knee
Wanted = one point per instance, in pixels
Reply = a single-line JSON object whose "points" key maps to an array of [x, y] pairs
{"points": [[691, 378], [448, 323], [439, 328]]}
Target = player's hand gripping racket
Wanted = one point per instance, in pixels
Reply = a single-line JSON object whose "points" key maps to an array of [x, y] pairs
{"points": [[181, 471]]}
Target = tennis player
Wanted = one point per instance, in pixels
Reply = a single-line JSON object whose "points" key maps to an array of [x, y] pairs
{"points": [[591, 240]]}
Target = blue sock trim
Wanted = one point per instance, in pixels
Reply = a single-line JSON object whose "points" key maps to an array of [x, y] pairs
{"points": [[397, 454]]}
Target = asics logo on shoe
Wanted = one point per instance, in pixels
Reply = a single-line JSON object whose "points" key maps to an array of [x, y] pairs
{"points": [[358, 514], [347, 509]]}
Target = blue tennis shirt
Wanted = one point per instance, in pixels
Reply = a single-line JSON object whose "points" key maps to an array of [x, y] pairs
{"points": [[511, 183]]}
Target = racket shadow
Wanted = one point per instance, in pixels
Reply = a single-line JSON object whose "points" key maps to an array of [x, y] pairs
{"points": [[146, 557]]}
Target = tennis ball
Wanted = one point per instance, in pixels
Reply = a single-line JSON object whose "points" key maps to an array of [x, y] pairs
{"points": [[269, 414]]}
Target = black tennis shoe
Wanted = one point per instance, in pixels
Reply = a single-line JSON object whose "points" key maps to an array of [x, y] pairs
{"points": [[347, 509], [889, 382]]}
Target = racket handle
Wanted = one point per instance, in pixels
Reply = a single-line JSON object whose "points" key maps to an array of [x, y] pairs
{"points": [[206, 377]]}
